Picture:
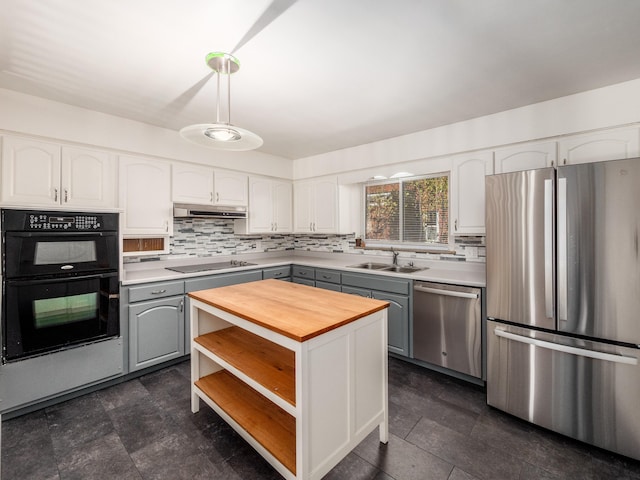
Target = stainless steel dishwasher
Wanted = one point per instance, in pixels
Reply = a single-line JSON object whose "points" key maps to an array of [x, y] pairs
{"points": [[446, 326]]}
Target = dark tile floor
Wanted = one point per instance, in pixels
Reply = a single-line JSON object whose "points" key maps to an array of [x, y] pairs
{"points": [[143, 429]]}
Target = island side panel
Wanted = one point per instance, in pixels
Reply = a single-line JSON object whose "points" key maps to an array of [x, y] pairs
{"points": [[343, 381]]}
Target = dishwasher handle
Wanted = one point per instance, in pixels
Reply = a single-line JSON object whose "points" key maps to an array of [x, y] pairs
{"points": [[448, 293]]}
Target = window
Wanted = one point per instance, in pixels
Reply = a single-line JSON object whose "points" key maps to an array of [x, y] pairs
{"points": [[409, 210]]}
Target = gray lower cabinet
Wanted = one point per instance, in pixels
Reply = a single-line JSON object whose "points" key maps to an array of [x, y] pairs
{"points": [[303, 275], [328, 279], [398, 293], [156, 324], [280, 273]]}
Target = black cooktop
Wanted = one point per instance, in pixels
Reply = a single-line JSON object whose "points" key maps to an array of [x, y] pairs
{"points": [[203, 267]]}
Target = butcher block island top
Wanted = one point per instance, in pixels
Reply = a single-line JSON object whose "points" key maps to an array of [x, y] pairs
{"points": [[299, 372], [290, 309]]}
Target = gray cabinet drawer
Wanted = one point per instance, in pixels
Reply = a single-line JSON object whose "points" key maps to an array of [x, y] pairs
{"points": [[222, 280], [304, 281], [156, 290], [375, 282], [329, 276], [277, 272], [328, 286], [304, 272]]}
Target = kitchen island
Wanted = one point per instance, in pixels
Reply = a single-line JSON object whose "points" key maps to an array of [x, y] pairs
{"points": [[299, 372]]}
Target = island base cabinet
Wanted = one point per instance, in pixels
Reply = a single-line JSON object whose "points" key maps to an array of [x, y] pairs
{"points": [[302, 405]]}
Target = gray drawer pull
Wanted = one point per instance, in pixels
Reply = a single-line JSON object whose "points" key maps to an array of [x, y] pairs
{"points": [[326, 277], [157, 292]]}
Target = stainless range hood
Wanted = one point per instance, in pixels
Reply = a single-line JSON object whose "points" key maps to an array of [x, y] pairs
{"points": [[185, 210]]}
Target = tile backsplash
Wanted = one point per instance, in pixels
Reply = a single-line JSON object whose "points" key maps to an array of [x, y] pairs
{"points": [[206, 237]]}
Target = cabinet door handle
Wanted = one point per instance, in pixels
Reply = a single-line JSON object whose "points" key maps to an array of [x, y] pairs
{"points": [[211, 197], [158, 292], [66, 195], [166, 226], [217, 197], [455, 225], [181, 306], [55, 194], [275, 227], [311, 226]]}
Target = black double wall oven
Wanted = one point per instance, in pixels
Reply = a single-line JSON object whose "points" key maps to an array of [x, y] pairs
{"points": [[60, 280]]}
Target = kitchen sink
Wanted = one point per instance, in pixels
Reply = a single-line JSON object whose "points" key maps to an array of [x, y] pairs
{"points": [[385, 267], [370, 266], [399, 269]]}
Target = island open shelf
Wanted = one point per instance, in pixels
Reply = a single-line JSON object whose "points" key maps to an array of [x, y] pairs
{"points": [[299, 372]]}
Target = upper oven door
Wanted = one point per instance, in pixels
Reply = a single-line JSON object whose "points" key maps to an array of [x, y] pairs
{"points": [[45, 253]]}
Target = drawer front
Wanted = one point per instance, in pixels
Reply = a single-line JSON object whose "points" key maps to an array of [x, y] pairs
{"points": [[376, 282], [329, 276], [304, 272], [328, 286], [304, 281], [222, 280], [277, 272], [155, 290]]}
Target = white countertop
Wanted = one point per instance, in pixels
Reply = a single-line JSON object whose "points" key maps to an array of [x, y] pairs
{"points": [[443, 271]]}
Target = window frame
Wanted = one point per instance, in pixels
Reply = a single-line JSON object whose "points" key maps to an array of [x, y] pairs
{"points": [[414, 246]]}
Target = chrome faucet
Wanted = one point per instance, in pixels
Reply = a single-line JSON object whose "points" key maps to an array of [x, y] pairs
{"points": [[395, 256]]}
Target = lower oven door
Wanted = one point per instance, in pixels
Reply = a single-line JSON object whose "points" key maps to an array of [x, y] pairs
{"points": [[44, 315], [583, 389]]}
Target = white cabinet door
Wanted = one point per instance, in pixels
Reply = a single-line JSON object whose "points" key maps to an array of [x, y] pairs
{"points": [[302, 207], [192, 184], [315, 206], [230, 188], [282, 204], [260, 205], [467, 192], [325, 206], [594, 147], [30, 172], [88, 178], [145, 195], [527, 156], [269, 205]]}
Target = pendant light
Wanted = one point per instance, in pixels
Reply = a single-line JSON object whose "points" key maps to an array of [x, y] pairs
{"points": [[222, 135]]}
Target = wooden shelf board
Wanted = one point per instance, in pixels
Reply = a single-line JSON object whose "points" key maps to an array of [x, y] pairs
{"points": [[270, 425], [269, 364]]}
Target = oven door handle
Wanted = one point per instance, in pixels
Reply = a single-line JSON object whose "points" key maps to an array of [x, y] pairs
{"points": [[38, 281]]}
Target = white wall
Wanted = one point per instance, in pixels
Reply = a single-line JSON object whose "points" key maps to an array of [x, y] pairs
{"points": [[36, 116], [611, 106]]}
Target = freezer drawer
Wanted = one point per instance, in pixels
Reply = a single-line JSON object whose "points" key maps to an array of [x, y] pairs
{"points": [[446, 327], [583, 389]]}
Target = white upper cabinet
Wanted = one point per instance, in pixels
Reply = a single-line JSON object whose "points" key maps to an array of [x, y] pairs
{"points": [[203, 185], [269, 206], [467, 192], [192, 184], [88, 178], [145, 196], [315, 205], [230, 188], [594, 147], [526, 156], [36, 173]]}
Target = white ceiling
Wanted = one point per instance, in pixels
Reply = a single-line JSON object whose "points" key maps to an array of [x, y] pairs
{"points": [[324, 74]]}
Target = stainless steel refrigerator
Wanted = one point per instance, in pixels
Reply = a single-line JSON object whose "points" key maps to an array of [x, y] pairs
{"points": [[563, 300]]}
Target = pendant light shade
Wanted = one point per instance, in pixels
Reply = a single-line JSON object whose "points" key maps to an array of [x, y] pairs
{"points": [[222, 135]]}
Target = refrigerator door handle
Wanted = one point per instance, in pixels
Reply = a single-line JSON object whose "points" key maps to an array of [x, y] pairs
{"points": [[548, 247], [583, 352], [562, 249]]}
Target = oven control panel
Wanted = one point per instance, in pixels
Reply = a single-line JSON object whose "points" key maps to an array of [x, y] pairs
{"points": [[64, 222]]}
